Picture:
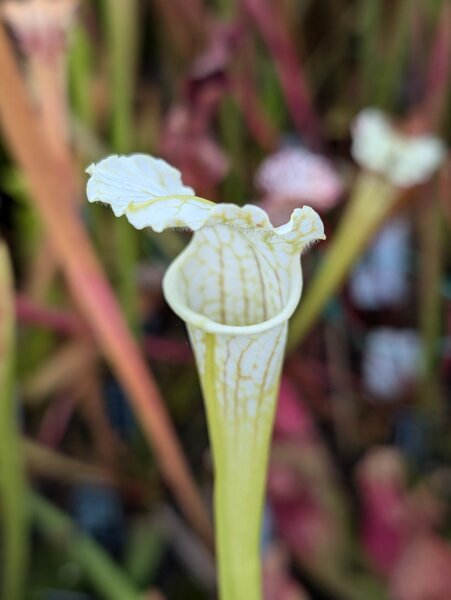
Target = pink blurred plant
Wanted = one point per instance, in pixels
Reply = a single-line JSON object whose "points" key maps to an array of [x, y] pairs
{"points": [[294, 175], [381, 480], [42, 28], [394, 519], [303, 493], [439, 64], [293, 420], [301, 519], [423, 572], [187, 144], [187, 140], [277, 583]]}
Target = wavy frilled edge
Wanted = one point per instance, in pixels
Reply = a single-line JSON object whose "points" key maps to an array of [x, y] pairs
{"points": [[304, 227], [151, 194]]}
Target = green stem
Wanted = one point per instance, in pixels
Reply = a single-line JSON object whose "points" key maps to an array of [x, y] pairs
{"points": [[395, 56], [431, 264], [240, 460], [232, 134], [370, 204], [122, 28], [107, 579], [370, 17], [239, 494], [80, 61], [12, 468]]}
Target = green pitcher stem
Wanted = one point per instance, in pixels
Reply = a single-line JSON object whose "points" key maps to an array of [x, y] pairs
{"points": [[370, 204], [239, 493], [240, 462]]}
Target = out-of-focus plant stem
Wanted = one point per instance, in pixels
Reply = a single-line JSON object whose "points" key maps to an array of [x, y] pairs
{"points": [[107, 578], [53, 319], [52, 189], [13, 485], [390, 79], [247, 95], [50, 82], [157, 348], [232, 135], [439, 69], [59, 371], [345, 587], [430, 317], [371, 201], [292, 77], [80, 61], [121, 19], [343, 399], [49, 465], [370, 19]]}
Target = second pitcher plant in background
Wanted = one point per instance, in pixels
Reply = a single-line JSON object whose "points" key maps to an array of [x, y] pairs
{"points": [[390, 162], [235, 285]]}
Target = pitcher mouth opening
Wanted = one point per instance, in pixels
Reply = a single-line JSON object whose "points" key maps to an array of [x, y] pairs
{"points": [[174, 297]]}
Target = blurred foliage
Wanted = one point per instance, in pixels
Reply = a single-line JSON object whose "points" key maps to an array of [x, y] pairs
{"points": [[215, 87]]}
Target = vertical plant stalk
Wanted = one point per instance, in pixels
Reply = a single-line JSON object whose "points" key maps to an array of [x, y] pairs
{"points": [[370, 204], [50, 83], [430, 317], [121, 19], [239, 355], [106, 578], [240, 380], [235, 286], [257, 121], [80, 62], [291, 74], [395, 55], [231, 124], [13, 483], [51, 190], [370, 17], [42, 33], [240, 437], [439, 68], [245, 91]]}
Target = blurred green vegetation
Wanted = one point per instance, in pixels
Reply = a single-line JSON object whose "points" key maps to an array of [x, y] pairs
{"points": [[163, 77]]}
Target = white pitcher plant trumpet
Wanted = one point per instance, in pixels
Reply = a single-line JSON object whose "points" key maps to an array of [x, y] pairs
{"points": [[390, 161], [235, 285]]}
